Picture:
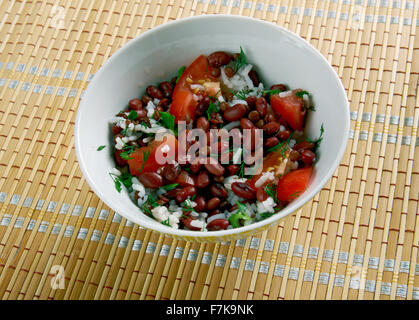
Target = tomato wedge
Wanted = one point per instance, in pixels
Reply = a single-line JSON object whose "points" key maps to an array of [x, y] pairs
{"points": [[145, 159], [183, 104], [291, 108], [272, 160], [293, 184]]}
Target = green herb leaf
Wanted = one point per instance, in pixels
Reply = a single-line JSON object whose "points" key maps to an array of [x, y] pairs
{"points": [[150, 202], [300, 94], [212, 108], [172, 186], [101, 148], [269, 93], [132, 115], [166, 222], [179, 73], [167, 120], [127, 152], [282, 146], [124, 179], [240, 61], [146, 154], [242, 94], [318, 141], [270, 190]]}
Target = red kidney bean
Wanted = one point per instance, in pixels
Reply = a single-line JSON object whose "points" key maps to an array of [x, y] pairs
{"points": [[163, 103], [172, 193], [217, 190], [195, 166], [284, 135], [214, 212], [271, 128], [224, 106], [215, 72], [254, 116], [260, 124], [271, 142], [304, 145], [141, 114], [146, 99], [229, 71], [200, 109], [151, 179], [261, 194], [214, 167], [213, 203], [232, 169], [187, 223], [218, 224], [246, 124], [253, 75], [218, 179], [218, 59], [216, 118], [118, 159], [307, 157], [154, 92], [116, 130], [261, 106], [202, 123], [185, 179], [184, 193], [243, 190], [166, 88], [135, 104], [171, 171], [294, 155], [235, 112], [269, 118], [202, 180], [280, 86], [200, 203], [156, 115], [251, 101]]}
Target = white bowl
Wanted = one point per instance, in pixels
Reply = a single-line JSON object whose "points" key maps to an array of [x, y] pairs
{"points": [[278, 55]]}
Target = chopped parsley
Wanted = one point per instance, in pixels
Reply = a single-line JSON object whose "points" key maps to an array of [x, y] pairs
{"points": [[282, 146], [132, 115], [240, 61], [270, 190], [300, 94], [151, 202], [167, 120], [101, 148], [179, 73], [124, 179], [318, 141], [242, 94], [166, 222], [172, 186], [146, 154], [212, 108], [126, 155], [269, 93]]}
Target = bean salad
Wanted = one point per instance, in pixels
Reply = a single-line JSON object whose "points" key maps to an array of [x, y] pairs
{"points": [[212, 148]]}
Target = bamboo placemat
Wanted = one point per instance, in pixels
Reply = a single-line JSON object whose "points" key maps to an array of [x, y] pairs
{"points": [[357, 239]]}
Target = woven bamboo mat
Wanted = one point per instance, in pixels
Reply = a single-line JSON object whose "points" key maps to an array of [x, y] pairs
{"points": [[357, 239]]}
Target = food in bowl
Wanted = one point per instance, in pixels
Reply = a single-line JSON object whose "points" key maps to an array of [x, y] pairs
{"points": [[212, 149]]}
